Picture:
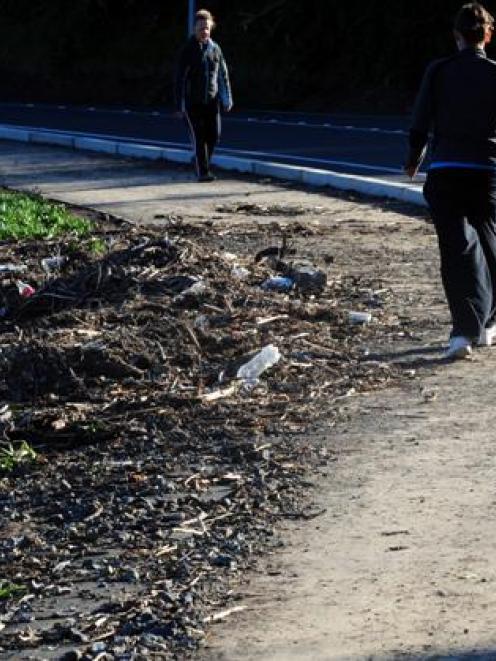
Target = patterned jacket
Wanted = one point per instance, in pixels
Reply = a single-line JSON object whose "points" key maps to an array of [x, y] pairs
{"points": [[201, 76]]}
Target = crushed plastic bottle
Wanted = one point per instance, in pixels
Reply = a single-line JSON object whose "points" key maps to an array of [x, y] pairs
{"points": [[25, 289], [197, 290], [359, 318], [278, 283], [12, 268], [201, 322], [307, 278], [229, 256], [50, 264], [260, 362], [240, 272]]}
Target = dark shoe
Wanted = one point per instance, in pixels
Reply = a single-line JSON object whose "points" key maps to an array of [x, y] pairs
{"points": [[206, 177]]}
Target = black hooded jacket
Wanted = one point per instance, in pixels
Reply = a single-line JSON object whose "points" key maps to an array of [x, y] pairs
{"points": [[457, 102]]}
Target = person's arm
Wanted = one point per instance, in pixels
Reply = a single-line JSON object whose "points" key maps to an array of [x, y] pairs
{"points": [[421, 123], [181, 75], [225, 94]]}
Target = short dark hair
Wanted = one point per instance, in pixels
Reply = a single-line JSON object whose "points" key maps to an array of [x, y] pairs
{"points": [[471, 22]]}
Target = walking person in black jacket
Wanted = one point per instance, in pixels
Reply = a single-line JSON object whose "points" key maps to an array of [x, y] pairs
{"points": [[202, 89], [457, 101]]}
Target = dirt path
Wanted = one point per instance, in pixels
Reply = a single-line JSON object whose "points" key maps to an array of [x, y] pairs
{"points": [[401, 564], [403, 559]]}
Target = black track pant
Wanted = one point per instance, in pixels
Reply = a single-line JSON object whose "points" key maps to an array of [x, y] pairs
{"points": [[204, 125], [463, 208]]}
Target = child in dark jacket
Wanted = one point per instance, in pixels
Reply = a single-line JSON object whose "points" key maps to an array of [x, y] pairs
{"points": [[202, 88]]}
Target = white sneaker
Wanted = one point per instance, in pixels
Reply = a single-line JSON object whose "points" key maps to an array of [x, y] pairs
{"points": [[459, 347], [487, 336]]}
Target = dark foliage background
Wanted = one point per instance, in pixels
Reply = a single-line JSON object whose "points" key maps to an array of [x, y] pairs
{"points": [[366, 55]]}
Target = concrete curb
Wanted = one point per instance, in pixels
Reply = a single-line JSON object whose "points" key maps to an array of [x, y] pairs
{"points": [[302, 175]]}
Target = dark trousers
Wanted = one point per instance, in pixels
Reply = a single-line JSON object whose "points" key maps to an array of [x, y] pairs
{"points": [[204, 125], [463, 208]]}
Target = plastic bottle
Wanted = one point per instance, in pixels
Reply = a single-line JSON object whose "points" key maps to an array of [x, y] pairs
{"points": [[196, 290], [50, 264], [278, 283], [240, 272], [12, 268], [264, 359], [307, 278], [358, 318]]}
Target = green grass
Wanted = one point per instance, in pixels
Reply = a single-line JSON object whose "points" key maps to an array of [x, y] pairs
{"points": [[11, 456], [31, 217]]}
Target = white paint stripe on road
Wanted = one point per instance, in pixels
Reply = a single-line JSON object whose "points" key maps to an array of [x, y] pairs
{"points": [[255, 120], [326, 125]]}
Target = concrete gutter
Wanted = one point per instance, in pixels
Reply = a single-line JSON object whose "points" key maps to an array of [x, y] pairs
{"points": [[303, 175]]}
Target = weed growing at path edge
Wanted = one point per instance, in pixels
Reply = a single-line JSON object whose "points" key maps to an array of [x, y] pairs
{"points": [[29, 216], [8, 590], [11, 456]]}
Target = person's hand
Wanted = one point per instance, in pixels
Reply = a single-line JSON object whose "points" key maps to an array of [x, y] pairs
{"points": [[228, 108], [411, 170]]}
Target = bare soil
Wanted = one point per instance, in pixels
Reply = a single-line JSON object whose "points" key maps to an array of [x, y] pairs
{"points": [[393, 559], [401, 563]]}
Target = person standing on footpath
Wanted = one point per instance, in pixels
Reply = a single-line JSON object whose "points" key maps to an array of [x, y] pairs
{"points": [[201, 88], [457, 102]]}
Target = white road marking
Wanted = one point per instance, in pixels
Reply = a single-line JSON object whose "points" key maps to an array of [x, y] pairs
{"points": [[326, 125], [268, 120]]}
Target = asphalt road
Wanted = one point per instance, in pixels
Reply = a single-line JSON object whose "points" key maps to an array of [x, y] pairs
{"points": [[358, 144]]}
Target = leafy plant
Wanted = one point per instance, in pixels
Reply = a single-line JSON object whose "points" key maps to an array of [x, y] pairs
{"points": [[97, 246], [11, 456], [10, 590], [30, 216]]}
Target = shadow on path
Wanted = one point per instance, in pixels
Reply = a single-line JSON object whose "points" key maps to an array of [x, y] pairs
{"points": [[480, 655]]}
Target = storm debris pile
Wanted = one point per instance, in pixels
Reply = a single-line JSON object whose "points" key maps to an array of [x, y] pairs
{"points": [[251, 208], [160, 471]]}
